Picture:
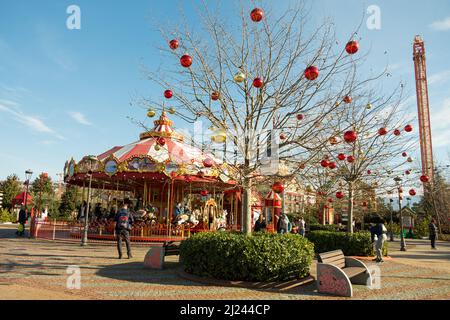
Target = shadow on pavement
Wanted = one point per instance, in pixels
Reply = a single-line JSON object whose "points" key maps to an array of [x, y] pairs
{"points": [[135, 272]]}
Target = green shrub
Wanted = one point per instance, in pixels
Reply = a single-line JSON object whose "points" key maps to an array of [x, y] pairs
{"points": [[6, 216], [352, 244], [321, 227], [236, 256]]}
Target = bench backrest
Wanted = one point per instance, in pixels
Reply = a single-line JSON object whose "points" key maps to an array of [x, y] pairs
{"points": [[335, 258], [171, 243]]}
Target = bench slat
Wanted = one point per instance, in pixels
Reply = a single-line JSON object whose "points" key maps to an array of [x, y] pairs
{"points": [[331, 254], [339, 263], [353, 271], [333, 259]]}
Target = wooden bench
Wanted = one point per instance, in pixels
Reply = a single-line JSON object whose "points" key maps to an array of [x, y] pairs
{"points": [[336, 273], [154, 259]]}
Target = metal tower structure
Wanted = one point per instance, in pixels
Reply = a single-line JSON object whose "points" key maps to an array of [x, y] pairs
{"points": [[423, 108]]}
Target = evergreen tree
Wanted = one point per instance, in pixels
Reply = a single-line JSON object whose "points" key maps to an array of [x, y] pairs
{"points": [[11, 187], [68, 201]]}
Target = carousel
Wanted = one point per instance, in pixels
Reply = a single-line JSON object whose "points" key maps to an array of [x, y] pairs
{"points": [[170, 184]]}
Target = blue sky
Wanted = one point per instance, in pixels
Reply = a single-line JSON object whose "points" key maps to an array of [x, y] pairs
{"points": [[67, 93]]}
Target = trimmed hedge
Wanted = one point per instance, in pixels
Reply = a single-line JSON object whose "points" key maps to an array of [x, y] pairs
{"points": [[236, 256], [321, 227], [352, 244]]}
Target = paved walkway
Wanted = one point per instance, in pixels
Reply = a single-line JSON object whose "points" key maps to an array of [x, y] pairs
{"points": [[35, 269]]}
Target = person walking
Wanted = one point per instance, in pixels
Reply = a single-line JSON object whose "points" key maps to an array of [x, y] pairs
{"points": [[23, 217], [283, 224], [380, 232], [260, 224], [301, 227], [433, 233], [124, 220]]}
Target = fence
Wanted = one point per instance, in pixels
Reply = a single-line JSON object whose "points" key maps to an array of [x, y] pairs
{"points": [[69, 231]]}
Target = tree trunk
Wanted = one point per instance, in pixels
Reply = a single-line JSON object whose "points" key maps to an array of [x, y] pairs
{"points": [[247, 207], [350, 208]]}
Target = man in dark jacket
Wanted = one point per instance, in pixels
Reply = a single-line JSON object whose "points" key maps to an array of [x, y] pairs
{"points": [[260, 224], [124, 220], [23, 217], [433, 233]]}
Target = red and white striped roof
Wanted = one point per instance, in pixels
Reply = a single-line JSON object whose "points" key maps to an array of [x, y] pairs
{"points": [[272, 195], [174, 149]]}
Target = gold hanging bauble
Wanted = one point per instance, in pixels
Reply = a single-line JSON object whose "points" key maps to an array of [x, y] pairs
{"points": [[151, 113], [369, 106], [171, 110], [239, 77], [157, 147]]}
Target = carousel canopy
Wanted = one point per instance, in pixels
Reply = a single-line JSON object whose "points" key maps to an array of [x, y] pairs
{"points": [[158, 154]]}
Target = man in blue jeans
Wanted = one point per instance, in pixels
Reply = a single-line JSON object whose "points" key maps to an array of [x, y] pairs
{"points": [[124, 220]]}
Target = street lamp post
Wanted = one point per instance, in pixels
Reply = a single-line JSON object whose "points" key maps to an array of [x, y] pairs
{"points": [[392, 221], [402, 238], [84, 240], [28, 175]]}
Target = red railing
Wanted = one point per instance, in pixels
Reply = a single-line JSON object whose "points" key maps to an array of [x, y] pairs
{"points": [[69, 231]]}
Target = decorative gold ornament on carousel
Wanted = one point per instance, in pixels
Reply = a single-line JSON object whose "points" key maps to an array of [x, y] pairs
{"points": [[151, 113], [239, 77], [409, 159], [157, 147], [171, 110], [369, 106]]}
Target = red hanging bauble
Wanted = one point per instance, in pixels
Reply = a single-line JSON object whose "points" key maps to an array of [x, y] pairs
{"points": [[339, 194], [330, 200], [173, 44], [324, 163], [215, 95], [299, 117], [369, 172], [351, 159], [397, 132], [311, 73], [204, 193], [407, 172], [408, 128], [350, 136], [282, 136], [257, 14], [186, 61], [332, 165], [424, 178], [382, 131], [347, 99], [341, 156], [412, 192], [352, 47], [161, 141], [258, 82], [208, 162], [168, 94], [278, 187]]}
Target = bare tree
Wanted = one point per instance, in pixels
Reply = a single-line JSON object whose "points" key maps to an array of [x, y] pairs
{"points": [[250, 83]]}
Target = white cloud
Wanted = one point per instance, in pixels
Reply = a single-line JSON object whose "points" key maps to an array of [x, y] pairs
{"points": [[80, 118], [440, 77], [441, 25], [32, 122]]}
